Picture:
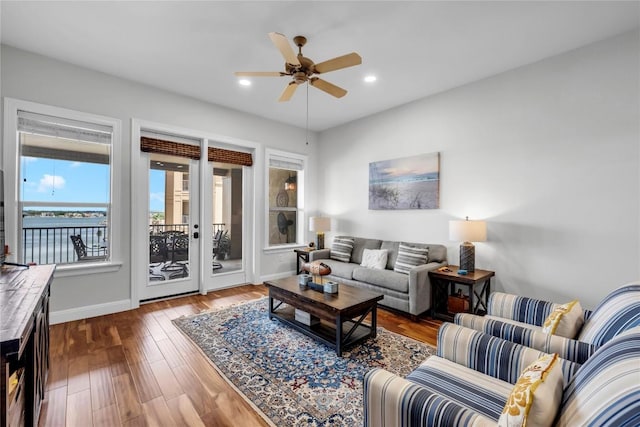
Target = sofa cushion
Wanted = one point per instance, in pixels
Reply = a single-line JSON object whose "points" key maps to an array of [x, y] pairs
{"points": [[341, 249], [470, 388], [409, 257], [565, 320], [383, 278], [341, 269], [437, 253], [360, 245], [536, 396], [374, 258], [392, 250]]}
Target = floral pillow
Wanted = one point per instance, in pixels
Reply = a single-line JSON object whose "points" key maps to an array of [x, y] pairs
{"points": [[536, 396], [566, 320]]}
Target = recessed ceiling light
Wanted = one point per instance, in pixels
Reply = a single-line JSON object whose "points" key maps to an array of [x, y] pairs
{"points": [[370, 79], [244, 82]]}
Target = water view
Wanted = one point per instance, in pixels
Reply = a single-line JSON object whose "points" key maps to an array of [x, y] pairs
{"points": [[46, 239]]}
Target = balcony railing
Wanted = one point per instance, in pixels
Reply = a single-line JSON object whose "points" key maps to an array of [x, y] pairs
{"points": [[52, 245]]}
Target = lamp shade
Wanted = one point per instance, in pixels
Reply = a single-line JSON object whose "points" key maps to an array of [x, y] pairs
{"points": [[468, 231], [319, 223]]}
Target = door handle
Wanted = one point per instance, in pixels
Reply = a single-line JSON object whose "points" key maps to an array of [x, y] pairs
{"points": [[196, 234]]}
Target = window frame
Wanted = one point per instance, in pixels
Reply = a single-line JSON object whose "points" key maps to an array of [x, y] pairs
{"points": [[301, 196], [11, 165]]}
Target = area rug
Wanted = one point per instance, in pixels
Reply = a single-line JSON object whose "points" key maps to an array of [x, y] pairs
{"points": [[291, 379]]}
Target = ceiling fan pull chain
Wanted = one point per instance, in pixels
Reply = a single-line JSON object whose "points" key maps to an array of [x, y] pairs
{"points": [[307, 134]]}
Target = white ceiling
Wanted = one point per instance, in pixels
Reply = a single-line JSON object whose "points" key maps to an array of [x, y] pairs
{"points": [[415, 48]]}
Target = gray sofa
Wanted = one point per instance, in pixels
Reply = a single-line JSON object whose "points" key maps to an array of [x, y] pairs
{"points": [[410, 293]]}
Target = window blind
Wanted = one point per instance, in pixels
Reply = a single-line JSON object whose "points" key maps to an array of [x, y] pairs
{"points": [[58, 127], [229, 156], [285, 163], [152, 145]]}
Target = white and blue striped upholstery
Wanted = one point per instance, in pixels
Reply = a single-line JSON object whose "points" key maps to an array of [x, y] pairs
{"points": [[606, 389], [392, 401], [490, 355], [618, 312], [510, 316], [573, 350], [521, 309], [483, 393]]}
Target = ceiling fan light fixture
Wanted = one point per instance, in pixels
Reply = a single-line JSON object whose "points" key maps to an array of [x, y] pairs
{"points": [[244, 82], [370, 78], [302, 69]]}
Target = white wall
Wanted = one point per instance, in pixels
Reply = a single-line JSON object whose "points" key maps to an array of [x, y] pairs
{"points": [[39, 79], [548, 154]]}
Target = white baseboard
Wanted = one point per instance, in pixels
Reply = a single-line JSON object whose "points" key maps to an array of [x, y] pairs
{"points": [[79, 313], [277, 276]]}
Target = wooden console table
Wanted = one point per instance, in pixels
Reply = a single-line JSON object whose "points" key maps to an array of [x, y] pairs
{"points": [[24, 342], [443, 285]]}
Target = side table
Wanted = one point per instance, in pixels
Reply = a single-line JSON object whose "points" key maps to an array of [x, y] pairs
{"points": [[302, 256], [443, 284]]}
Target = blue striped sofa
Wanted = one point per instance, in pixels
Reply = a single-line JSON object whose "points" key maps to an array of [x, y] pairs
{"points": [[520, 319], [468, 382]]}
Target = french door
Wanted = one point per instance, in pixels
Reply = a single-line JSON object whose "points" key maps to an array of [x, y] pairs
{"points": [[174, 231]]}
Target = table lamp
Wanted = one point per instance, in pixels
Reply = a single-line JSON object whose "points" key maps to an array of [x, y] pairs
{"points": [[467, 232], [319, 224]]}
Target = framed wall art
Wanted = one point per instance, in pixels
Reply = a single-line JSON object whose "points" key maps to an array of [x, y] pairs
{"points": [[405, 183]]}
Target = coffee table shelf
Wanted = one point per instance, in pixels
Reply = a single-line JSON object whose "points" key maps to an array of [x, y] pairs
{"points": [[324, 332], [341, 315]]}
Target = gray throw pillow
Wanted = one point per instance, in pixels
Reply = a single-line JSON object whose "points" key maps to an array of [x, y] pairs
{"points": [[409, 257], [341, 249]]}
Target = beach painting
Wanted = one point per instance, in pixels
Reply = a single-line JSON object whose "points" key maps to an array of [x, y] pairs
{"points": [[405, 183]]}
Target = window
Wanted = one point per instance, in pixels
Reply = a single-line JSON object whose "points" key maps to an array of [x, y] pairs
{"points": [[285, 198], [65, 189]]}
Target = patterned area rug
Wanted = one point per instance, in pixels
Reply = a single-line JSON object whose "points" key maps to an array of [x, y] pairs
{"points": [[291, 378]]}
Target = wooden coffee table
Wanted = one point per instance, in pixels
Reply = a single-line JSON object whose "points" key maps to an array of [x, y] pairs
{"points": [[342, 314]]}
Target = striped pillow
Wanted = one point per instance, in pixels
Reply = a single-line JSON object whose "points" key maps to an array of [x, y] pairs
{"points": [[409, 257], [341, 249]]}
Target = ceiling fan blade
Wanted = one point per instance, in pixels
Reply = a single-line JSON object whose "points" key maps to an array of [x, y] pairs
{"points": [[330, 88], [259, 74], [344, 61], [284, 47], [288, 92]]}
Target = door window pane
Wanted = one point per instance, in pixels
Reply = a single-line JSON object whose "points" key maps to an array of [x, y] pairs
{"points": [[168, 217], [227, 217]]}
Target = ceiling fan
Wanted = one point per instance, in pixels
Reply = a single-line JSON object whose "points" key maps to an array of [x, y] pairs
{"points": [[302, 69]]}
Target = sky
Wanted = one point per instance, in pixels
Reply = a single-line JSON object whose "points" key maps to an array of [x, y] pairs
{"points": [[50, 180]]}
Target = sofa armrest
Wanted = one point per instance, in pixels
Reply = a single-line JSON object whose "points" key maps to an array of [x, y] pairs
{"points": [[491, 355], [392, 401], [420, 287], [521, 309], [319, 254], [566, 348]]}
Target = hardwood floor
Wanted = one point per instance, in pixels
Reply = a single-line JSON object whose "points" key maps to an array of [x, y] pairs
{"points": [[136, 369]]}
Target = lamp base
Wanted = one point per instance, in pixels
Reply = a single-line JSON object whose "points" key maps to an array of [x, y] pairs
{"points": [[467, 256], [319, 240]]}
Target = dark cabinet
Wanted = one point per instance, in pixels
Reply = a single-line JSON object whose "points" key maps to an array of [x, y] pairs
{"points": [[24, 342]]}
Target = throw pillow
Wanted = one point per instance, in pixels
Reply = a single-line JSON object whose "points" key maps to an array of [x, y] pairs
{"points": [[536, 396], [409, 257], [341, 249], [374, 258], [565, 321]]}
